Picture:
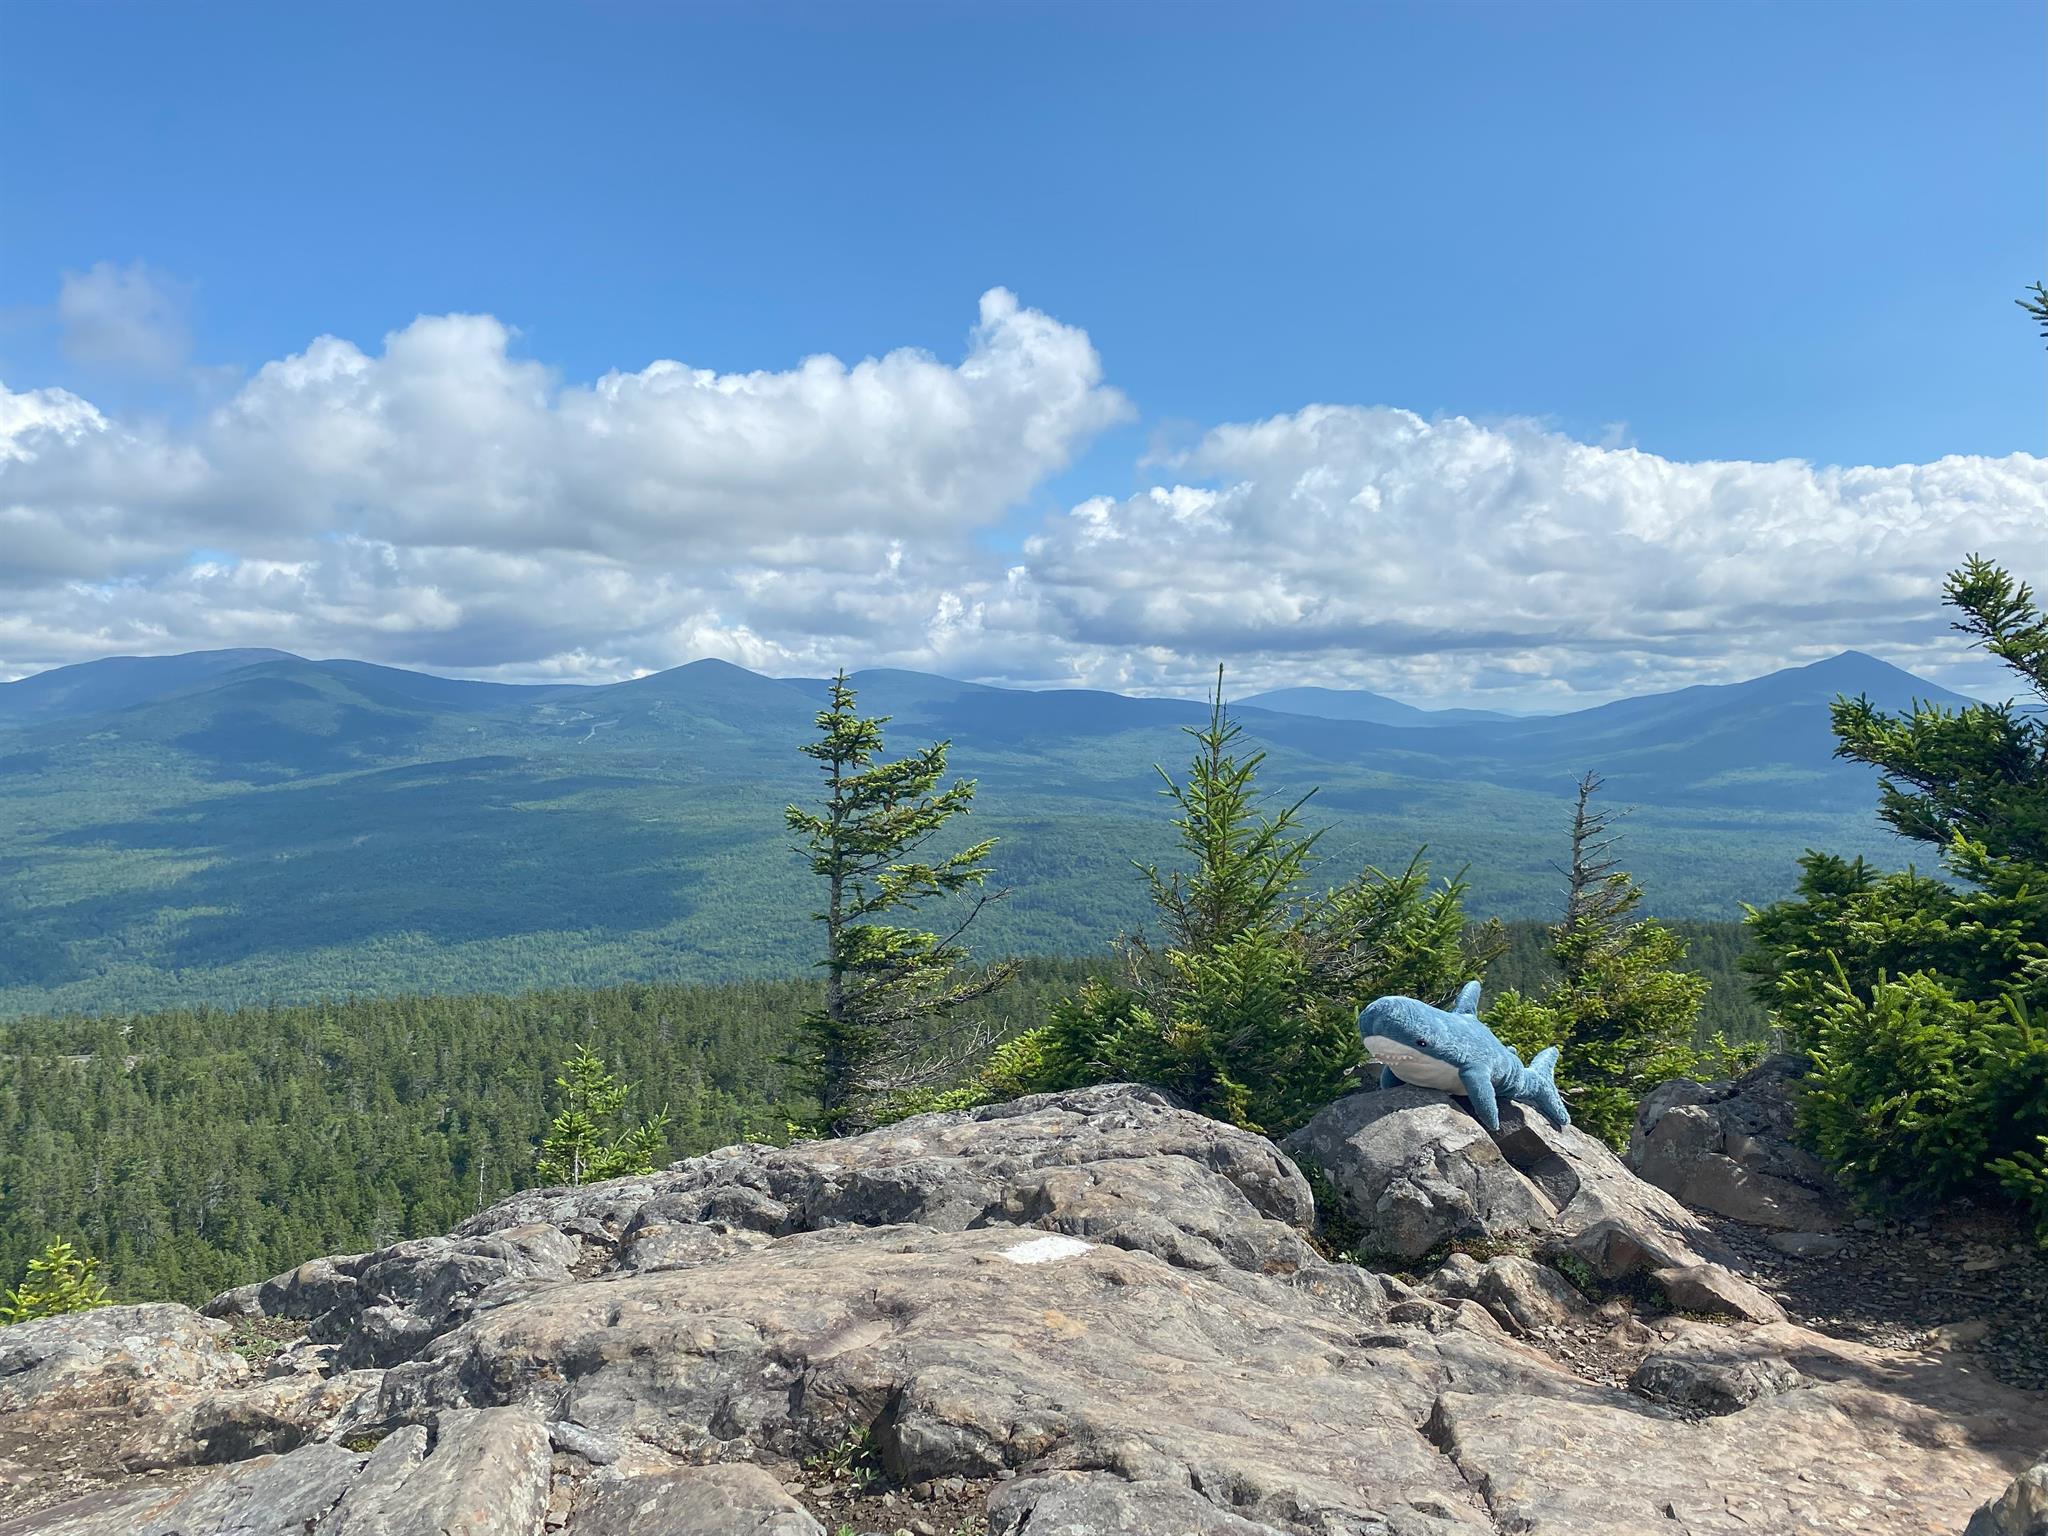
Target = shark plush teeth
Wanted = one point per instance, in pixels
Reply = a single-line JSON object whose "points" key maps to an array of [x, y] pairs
{"points": [[1415, 1043]]}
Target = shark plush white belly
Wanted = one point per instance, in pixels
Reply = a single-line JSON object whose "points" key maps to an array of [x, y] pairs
{"points": [[1451, 1050], [1413, 1066]]}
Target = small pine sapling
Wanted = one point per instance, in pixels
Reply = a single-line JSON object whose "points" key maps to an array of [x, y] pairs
{"points": [[61, 1280], [587, 1140]]}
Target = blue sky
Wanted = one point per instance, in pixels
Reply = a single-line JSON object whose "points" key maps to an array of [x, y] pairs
{"points": [[1722, 232]]}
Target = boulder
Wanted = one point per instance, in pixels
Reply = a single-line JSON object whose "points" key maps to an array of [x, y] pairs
{"points": [[1729, 1147], [104, 1356], [1413, 1171], [2022, 1510], [485, 1473], [736, 1500], [1522, 1295], [244, 1301], [1607, 1218], [1122, 1165], [383, 1307], [266, 1496], [970, 1354], [1716, 1292], [278, 1414], [476, 1474], [1709, 1385], [966, 1168], [316, 1286], [375, 1499]]}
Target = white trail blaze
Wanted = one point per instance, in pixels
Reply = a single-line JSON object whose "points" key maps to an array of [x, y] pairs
{"points": [[1043, 1250]]}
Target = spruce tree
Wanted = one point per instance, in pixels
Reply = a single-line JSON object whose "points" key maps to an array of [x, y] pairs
{"points": [[1623, 1013], [588, 1140], [1918, 1000], [2035, 302], [1247, 1006], [887, 1027], [1246, 863], [60, 1280]]}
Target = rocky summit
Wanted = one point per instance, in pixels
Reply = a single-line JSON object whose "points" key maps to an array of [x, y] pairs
{"points": [[1082, 1312]]}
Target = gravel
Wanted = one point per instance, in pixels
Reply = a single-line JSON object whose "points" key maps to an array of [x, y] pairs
{"points": [[1966, 1278]]}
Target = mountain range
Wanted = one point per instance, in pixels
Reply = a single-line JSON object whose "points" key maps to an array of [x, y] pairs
{"points": [[240, 825]]}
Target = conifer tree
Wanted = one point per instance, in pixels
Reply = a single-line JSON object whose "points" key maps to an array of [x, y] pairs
{"points": [[1247, 864], [887, 1026], [61, 1280], [1622, 1014], [2035, 302], [587, 1139], [1918, 1000], [1247, 1008]]}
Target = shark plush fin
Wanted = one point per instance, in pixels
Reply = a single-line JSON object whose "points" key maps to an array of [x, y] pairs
{"points": [[1481, 1096], [1468, 1000], [1542, 1091]]}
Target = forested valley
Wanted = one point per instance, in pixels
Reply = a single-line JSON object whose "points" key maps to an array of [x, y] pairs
{"points": [[196, 1149]]}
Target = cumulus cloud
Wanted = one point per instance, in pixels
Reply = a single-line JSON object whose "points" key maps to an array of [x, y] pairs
{"points": [[1453, 553], [447, 502], [127, 319], [446, 438]]}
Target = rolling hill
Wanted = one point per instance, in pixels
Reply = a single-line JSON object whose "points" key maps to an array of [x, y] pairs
{"points": [[238, 826], [114, 682], [1358, 704]]}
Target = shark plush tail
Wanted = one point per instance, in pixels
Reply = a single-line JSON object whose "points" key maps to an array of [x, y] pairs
{"points": [[1542, 1091]]}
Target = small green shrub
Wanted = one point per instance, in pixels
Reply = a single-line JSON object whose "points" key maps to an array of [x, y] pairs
{"points": [[1914, 996], [1576, 1270], [1914, 1092], [259, 1340], [2025, 1177], [60, 1281], [852, 1458], [1336, 1233], [1016, 1067], [1234, 1032]]}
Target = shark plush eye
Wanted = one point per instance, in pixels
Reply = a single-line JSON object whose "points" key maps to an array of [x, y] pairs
{"points": [[1422, 1041]]}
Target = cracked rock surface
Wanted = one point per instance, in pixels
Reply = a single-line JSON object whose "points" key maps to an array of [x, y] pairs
{"points": [[1105, 1311]]}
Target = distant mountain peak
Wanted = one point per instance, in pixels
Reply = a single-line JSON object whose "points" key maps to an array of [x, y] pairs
{"points": [[1850, 661], [1858, 671]]}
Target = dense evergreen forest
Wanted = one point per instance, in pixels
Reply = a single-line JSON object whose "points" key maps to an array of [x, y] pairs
{"points": [[199, 1148]]}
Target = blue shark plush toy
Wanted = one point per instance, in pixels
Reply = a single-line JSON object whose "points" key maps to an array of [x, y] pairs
{"points": [[1415, 1043]]}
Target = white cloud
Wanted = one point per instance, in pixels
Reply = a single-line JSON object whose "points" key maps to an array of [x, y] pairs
{"points": [[446, 439], [1382, 548], [128, 319], [446, 502]]}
